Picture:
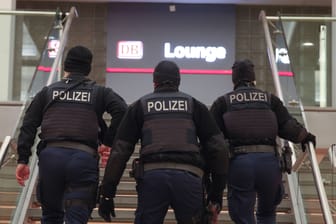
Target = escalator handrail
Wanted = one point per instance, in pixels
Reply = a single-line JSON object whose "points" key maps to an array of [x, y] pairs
{"points": [[310, 149], [4, 148], [27, 191]]}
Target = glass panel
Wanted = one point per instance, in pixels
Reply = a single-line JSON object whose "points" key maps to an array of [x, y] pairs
{"points": [[31, 37], [35, 40], [48, 55], [301, 53], [309, 50], [330, 178]]}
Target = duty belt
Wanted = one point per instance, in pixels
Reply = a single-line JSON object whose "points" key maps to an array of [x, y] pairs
{"points": [[73, 145], [176, 166], [253, 149]]}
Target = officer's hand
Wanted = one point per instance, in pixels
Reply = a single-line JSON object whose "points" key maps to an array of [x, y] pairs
{"points": [[215, 199], [309, 138], [214, 209], [104, 152], [106, 208], [22, 173]]}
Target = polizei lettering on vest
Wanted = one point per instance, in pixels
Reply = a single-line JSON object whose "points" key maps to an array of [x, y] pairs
{"points": [[167, 105], [78, 96], [248, 97], [210, 54]]}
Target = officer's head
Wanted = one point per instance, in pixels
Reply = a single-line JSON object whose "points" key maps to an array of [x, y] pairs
{"points": [[166, 73], [243, 72], [78, 60]]}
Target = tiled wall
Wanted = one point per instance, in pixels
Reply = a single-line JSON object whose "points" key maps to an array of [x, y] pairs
{"points": [[90, 30]]}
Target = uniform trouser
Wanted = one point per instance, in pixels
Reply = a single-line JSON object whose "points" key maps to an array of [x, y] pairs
{"points": [[251, 176], [68, 180], [162, 188]]}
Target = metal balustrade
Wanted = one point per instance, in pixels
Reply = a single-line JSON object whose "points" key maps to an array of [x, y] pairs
{"points": [[295, 189]]}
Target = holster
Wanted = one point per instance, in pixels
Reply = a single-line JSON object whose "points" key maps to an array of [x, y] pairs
{"points": [[137, 171], [98, 194], [40, 146], [206, 216], [85, 197], [285, 159]]}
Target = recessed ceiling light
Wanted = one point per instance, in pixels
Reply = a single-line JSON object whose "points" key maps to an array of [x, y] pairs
{"points": [[308, 44]]}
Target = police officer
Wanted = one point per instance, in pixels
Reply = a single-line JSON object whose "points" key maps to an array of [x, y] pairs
{"points": [[251, 119], [69, 113], [169, 124]]}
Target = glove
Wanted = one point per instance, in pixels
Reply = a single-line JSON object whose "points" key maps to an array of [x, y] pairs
{"points": [[22, 173], [216, 189], [214, 210], [104, 152], [309, 138], [215, 201], [106, 208]]}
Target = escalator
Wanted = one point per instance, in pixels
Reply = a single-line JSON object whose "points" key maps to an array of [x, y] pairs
{"points": [[311, 185], [43, 36]]}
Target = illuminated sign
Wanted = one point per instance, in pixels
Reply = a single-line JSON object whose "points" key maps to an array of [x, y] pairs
{"points": [[199, 38], [53, 46], [210, 54], [281, 55], [130, 50]]}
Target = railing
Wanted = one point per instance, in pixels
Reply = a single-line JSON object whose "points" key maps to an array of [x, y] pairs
{"points": [[26, 51], [21, 22], [294, 187], [3, 150], [24, 200], [35, 84], [332, 155], [332, 180], [51, 55]]}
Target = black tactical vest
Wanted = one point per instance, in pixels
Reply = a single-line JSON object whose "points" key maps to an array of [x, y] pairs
{"points": [[249, 119], [70, 113], [168, 124]]}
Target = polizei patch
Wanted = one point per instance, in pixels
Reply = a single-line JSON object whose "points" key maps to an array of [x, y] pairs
{"points": [[167, 105], [72, 96], [248, 97]]}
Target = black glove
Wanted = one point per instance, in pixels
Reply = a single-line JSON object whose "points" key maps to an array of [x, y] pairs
{"points": [[216, 189], [106, 208], [309, 138], [212, 212], [215, 199]]}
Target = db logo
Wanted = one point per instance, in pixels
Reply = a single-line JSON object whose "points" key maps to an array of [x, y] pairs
{"points": [[130, 49]]}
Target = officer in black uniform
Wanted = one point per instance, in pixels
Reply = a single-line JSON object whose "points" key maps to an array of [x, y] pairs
{"points": [[250, 120], [178, 139], [70, 114]]}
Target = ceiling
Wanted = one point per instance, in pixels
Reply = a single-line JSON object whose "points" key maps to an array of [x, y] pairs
{"points": [[237, 2]]}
